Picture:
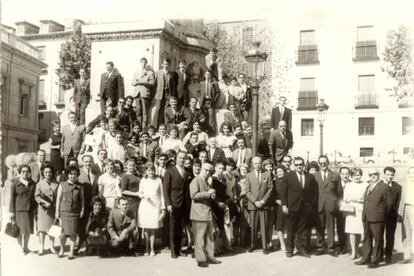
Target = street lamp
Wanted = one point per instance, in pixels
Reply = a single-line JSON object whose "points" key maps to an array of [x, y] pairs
{"points": [[322, 108], [256, 64]]}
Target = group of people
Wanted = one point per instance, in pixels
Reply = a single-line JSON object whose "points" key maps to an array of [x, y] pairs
{"points": [[187, 171]]}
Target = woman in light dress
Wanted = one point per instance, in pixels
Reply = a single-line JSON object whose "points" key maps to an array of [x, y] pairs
{"points": [[109, 184], [354, 194], [173, 142], [152, 208], [226, 139]]}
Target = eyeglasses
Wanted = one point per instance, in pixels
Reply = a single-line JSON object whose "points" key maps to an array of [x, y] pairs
{"points": [[300, 164]]}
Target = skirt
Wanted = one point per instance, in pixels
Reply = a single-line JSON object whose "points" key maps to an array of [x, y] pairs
{"points": [[280, 219], [148, 216], [57, 161], [70, 223], [45, 219], [353, 222], [25, 221]]}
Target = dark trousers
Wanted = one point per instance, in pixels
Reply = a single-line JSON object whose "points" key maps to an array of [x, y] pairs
{"points": [[255, 217], [71, 154], [314, 222], [297, 228], [340, 230], [327, 220], [144, 110], [271, 219], [80, 110], [176, 229], [373, 232], [103, 104], [180, 102], [158, 112], [390, 225], [82, 227]]}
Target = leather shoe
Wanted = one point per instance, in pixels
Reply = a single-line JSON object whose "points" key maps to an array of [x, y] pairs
{"points": [[251, 249], [388, 260], [202, 264], [174, 256], [405, 261], [266, 251], [361, 262], [319, 252], [333, 253], [214, 261], [303, 253], [373, 265], [343, 251], [289, 254]]}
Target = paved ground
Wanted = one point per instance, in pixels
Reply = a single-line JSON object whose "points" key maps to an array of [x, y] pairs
{"points": [[14, 264]]}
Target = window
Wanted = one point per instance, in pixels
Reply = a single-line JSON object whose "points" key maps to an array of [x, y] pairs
{"points": [[4, 86], [24, 99], [22, 146], [42, 52], [366, 126], [307, 37], [408, 150], [247, 36], [365, 33], [42, 92], [407, 126], [367, 97], [307, 127], [366, 152], [307, 84]]}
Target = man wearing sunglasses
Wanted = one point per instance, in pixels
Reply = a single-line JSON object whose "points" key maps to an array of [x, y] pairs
{"points": [[299, 196]]}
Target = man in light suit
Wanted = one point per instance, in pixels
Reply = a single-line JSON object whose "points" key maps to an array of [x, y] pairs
{"points": [[183, 82], [148, 148], [215, 154], [280, 142], [166, 87], [242, 155], [377, 201], [89, 181], [111, 88], [81, 95], [258, 190], [143, 82], [121, 224], [328, 186], [36, 166], [201, 216], [279, 113], [72, 137]]}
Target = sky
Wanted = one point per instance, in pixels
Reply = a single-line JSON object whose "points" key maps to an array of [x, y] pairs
{"points": [[64, 11]]}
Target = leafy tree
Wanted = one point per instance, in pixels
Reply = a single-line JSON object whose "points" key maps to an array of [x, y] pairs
{"points": [[397, 62], [74, 55]]}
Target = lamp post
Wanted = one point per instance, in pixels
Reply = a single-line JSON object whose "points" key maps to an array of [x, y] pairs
{"points": [[256, 64], [322, 108]]}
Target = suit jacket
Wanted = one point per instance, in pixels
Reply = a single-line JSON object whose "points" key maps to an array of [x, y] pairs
{"points": [[294, 196], [143, 82], [214, 91], [217, 156], [151, 151], [173, 119], [112, 87], [176, 187], [191, 116], [201, 201], [248, 154], [328, 191], [376, 203], [258, 189], [90, 187], [182, 85], [249, 98], [47, 192], [22, 197], [172, 79], [194, 91], [276, 118], [395, 192], [35, 172], [279, 144], [72, 141], [81, 94], [124, 118], [117, 223]]}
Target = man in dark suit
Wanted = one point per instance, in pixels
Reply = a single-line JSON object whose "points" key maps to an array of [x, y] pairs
{"points": [[328, 184], [111, 86], [166, 87], [299, 196], [148, 148], [174, 116], [247, 103], [242, 155], [210, 90], [344, 173], [280, 142], [81, 95], [109, 114], [392, 215], [191, 113], [214, 153], [37, 165], [279, 113], [182, 83], [376, 206], [176, 189], [258, 190], [121, 224]]}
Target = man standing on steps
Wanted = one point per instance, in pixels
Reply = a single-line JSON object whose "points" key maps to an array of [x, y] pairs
{"points": [[143, 82], [81, 95], [111, 87]]}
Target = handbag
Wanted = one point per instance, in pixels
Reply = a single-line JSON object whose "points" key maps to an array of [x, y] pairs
{"points": [[347, 208], [55, 230], [12, 229]]}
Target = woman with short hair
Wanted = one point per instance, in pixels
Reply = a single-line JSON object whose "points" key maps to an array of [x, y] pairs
{"points": [[109, 184]]}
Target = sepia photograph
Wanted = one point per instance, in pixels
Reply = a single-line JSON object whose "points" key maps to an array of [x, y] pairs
{"points": [[206, 137]]}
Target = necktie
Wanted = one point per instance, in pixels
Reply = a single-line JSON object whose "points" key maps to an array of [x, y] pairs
{"points": [[161, 141], [89, 175], [301, 180], [144, 150], [282, 111]]}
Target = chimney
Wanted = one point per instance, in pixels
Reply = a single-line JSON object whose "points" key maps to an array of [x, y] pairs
{"points": [[50, 26], [26, 28]]}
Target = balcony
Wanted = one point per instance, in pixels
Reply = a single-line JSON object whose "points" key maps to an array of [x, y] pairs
{"points": [[366, 101], [406, 101], [365, 51], [307, 100], [307, 54]]}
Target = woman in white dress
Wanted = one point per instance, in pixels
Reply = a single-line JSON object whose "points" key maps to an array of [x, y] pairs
{"points": [[108, 184], [152, 208], [172, 142], [226, 139], [354, 195]]}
